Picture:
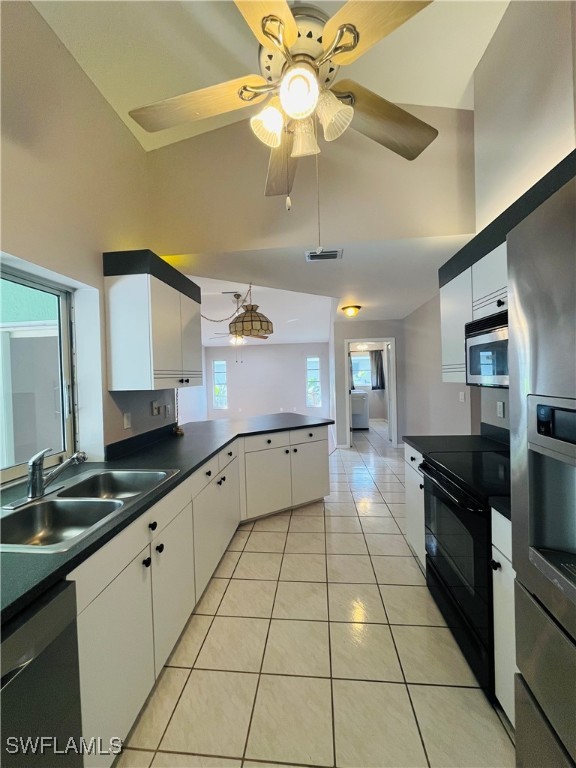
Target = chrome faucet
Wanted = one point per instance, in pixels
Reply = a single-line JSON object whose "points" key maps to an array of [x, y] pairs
{"points": [[38, 480]]}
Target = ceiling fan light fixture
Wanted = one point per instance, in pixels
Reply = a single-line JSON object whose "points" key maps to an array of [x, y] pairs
{"points": [[268, 124], [251, 323], [334, 116], [299, 91], [351, 310], [304, 139], [237, 340]]}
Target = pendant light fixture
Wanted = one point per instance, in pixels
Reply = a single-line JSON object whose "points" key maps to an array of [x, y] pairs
{"points": [[250, 322]]}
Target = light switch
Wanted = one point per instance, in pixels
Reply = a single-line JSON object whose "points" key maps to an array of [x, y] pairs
{"points": [[155, 408], [462, 397], [500, 409], [127, 417]]}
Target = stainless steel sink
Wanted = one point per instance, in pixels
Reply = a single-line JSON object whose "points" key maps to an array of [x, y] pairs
{"points": [[53, 525], [116, 484]]}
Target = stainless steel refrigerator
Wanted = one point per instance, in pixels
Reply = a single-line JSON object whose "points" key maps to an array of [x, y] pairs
{"points": [[542, 363]]}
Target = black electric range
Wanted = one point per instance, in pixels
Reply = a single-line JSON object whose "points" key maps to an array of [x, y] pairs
{"points": [[483, 475]]}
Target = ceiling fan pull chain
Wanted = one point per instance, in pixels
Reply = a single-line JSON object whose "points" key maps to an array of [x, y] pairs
{"points": [[319, 249]]}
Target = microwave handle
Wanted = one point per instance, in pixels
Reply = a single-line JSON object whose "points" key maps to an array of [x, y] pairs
{"points": [[459, 502]]}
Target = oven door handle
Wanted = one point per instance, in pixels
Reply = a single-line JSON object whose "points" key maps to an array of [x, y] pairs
{"points": [[459, 502]]}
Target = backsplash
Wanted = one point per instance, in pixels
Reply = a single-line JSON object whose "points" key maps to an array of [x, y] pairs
{"points": [[139, 406], [489, 399]]}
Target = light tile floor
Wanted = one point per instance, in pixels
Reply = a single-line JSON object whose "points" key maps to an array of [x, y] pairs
{"points": [[318, 644]]}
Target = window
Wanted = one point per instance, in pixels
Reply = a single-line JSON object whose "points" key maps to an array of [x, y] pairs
{"points": [[313, 389], [220, 391], [35, 382], [361, 370]]}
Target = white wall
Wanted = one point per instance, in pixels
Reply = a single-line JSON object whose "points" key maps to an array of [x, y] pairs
{"points": [[524, 97], [268, 378], [432, 406], [74, 179]]}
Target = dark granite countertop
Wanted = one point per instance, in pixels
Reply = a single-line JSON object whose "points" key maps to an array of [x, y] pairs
{"points": [[25, 576]]}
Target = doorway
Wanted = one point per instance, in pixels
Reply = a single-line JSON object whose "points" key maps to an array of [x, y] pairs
{"points": [[371, 398]]}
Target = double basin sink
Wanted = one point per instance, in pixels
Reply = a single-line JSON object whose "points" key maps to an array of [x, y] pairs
{"points": [[56, 522]]}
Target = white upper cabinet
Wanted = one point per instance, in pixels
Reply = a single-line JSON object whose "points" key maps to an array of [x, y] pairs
{"points": [[455, 312], [154, 339], [490, 283]]}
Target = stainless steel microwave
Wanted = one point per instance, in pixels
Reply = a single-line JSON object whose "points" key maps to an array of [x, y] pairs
{"points": [[487, 351]]}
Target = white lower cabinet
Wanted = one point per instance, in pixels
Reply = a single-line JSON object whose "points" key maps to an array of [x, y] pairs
{"points": [[116, 655], [173, 594], [309, 469], [216, 516], [503, 576], [415, 503], [268, 481]]}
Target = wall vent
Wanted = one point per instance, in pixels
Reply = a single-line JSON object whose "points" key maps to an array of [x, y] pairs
{"points": [[323, 255]]}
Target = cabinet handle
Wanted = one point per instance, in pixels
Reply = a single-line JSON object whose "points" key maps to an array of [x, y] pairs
{"points": [[295, 450], [153, 525], [421, 486], [229, 453], [209, 473], [495, 565], [147, 562], [187, 381], [412, 458], [160, 548], [268, 441], [222, 480], [286, 451], [500, 303], [310, 434], [181, 381]]}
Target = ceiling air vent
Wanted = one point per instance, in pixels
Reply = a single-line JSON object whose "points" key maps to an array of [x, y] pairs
{"points": [[321, 255]]}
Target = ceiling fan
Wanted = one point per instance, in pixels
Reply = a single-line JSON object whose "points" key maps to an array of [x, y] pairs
{"points": [[248, 323], [300, 53]]}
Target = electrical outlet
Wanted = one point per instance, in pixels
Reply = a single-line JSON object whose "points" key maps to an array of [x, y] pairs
{"points": [[127, 417], [155, 408], [462, 397], [500, 409], [168, 410]]}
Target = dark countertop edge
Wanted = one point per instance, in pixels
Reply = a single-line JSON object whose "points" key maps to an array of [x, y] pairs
{"points": [[133, 510], [501, 504], [425, 444]]}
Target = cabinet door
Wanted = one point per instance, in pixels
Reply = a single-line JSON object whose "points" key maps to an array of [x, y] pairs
{"points": [[166, 329], [504, 632], [310, 478], [173, 596], [191, 340], [455, 312], [489, 283], [216, 516], [415, 513], [116, 654], [268, 481]]}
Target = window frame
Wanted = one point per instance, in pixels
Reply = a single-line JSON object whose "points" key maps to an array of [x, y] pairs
{"points": [[214, 406], [17, 472], [369, 369], [319, 404]]}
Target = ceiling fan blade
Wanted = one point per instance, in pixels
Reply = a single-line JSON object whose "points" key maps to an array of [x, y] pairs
{"points": [[197, 105], [385, 122], [373, 19], [256, 10], [281, 168]]}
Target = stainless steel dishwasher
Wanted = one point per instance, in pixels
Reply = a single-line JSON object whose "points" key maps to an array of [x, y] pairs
{"points": [[41, 721]]}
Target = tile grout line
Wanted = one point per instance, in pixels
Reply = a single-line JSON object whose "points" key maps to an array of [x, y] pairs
{"points": [[243, 758], [334, 761]]}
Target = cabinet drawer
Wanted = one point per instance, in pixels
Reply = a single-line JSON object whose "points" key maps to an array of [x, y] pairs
{"points": [[227, 455], [308, 435], [203, 476], [167, 508], [502, 534], [270, 440], [93, 575], [412, 457]]}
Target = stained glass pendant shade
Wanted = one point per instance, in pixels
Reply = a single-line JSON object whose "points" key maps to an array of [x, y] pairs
{"points": [[251, 323]]}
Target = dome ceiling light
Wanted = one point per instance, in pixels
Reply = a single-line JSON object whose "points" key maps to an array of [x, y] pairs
{"points": [[301, 51]]}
